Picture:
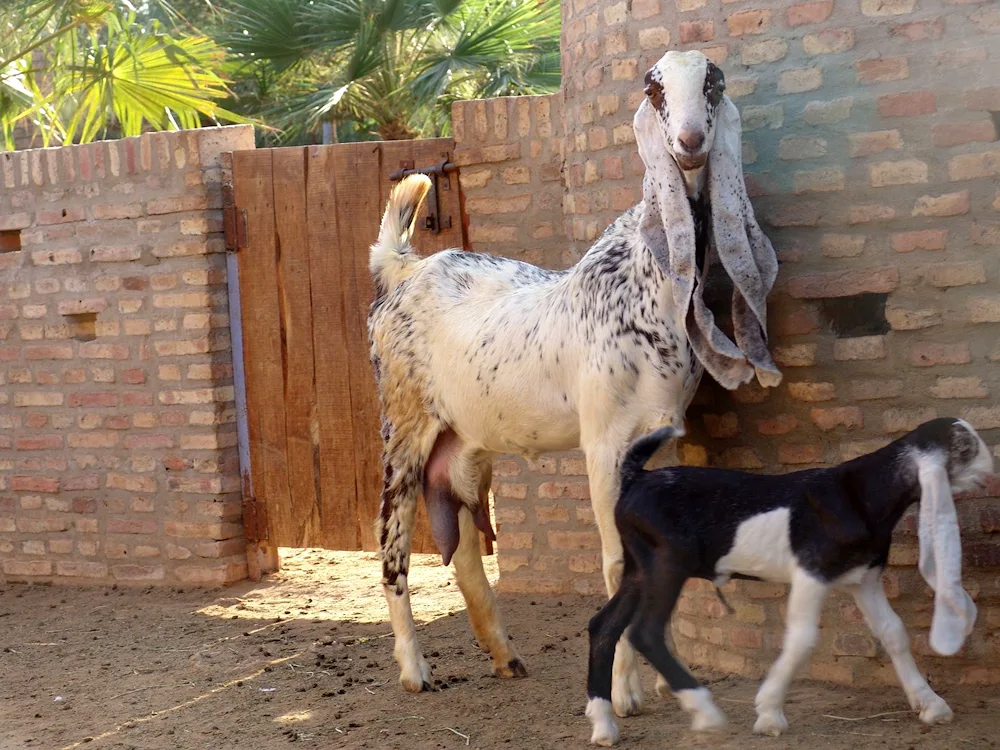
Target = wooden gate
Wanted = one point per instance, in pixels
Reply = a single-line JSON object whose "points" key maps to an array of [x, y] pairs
{"points": [[301, 221]]}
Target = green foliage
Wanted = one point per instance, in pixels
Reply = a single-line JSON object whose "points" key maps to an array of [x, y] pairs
{"points": [[385, 68], [72, 71]]}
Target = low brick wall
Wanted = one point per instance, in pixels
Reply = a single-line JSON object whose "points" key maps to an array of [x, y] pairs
{"points": [[117, 438]]}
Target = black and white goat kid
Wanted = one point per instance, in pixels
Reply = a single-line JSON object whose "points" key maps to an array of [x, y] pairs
{"points": [[477, 355], [818, 530]]}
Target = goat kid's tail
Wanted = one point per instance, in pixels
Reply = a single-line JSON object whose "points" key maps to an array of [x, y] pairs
{"points": [[391, 259], [641, 451]]}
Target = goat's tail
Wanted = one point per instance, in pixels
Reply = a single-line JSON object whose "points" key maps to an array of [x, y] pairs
{"points": [[392, 257], [640, 452]]}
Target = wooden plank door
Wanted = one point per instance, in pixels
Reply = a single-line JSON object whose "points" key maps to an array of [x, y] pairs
{"points": [[313, 417]]}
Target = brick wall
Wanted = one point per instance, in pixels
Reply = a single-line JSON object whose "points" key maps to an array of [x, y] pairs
{"points": [[117, 438], [870, 147]]}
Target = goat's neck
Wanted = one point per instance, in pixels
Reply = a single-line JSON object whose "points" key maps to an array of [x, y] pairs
{"points": [[884, 496], [694, 182]]}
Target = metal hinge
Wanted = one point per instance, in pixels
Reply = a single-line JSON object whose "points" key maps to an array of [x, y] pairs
{"points": [[234, 224], [440, 175], [254, 514]]}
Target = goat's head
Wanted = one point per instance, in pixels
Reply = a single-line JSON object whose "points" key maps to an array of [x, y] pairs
{"points": [[685, 90], [948, 455], [688, 135]]}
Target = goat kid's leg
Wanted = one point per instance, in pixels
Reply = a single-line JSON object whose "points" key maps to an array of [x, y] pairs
{"points": [[395, 527], [484, 615], [889, 629], [602, 469], [649, 625], [805, 603], [605, 630]]}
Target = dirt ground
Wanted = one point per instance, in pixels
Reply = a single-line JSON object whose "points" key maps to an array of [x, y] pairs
{"points": [[306, 657]]}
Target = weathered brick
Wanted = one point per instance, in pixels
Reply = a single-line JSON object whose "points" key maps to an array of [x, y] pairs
{"points": [[828, 179], [771, 50], [974, 166], [805, 13], [795, 355], [923, 239], [881, 69], [887, 7], [907, 104], [984, 309], [859, 348], [905, 420], [770, 116], [744, 459], [844, 283], [695, 31], [866, 144], [982, 417], [902, 318], [955, 274], [826, 112], [800, 453], [873, 390], [780, 424], [928, 354], [949, 204], [828, 419], [574, 540], [798, 80], [810, 391], [828, 41], [967, 387], [870, 212], [748, 22], [842, 245], [906, 172], [959, 133]]}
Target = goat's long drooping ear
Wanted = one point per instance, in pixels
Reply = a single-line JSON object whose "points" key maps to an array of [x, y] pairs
{"points": [[941, 557], [744, 250], [667, 229]]}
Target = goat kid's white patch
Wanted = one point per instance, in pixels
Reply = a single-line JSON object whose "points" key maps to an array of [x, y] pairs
{"points": [[762, 547]]}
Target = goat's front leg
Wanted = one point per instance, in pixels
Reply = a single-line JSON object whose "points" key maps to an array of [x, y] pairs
{"points": [[805, 603], [888, 628], [603, 462]]}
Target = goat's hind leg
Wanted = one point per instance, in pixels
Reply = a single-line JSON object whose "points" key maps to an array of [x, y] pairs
{"points": [[889, 629], [395, 526], [647, 633], [484, 614]]}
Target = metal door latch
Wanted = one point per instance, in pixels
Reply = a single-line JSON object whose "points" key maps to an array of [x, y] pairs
{"points": [[440, 175]]}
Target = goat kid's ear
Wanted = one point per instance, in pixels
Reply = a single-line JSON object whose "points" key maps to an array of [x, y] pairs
{"points": [[941, 557]]}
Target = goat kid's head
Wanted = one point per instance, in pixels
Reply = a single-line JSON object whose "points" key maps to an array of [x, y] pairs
{"points": [[685, 90], [949, 456]]}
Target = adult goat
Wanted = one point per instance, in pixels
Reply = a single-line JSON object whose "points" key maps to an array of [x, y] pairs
{"points": [[477, 356]]}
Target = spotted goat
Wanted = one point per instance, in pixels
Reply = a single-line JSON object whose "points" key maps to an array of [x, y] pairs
{"points": [[477, 355], [819, 530]]}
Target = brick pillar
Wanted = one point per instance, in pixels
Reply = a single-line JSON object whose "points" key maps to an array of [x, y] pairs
{"points": [[117, 437]]}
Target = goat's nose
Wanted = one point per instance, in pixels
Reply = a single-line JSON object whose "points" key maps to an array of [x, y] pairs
{"points": [[691, 140]]}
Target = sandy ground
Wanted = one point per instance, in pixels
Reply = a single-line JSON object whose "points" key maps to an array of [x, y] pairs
{"points": [[306, 657]]}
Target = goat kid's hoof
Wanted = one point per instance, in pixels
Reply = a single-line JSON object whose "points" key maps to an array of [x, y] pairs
{"points": [[601, 715], [513, 668], [708, 721], [771, 723], [933, 710]]}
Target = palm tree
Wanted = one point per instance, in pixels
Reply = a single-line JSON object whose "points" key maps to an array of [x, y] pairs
{"points": [[385, 69], [72, 71]]}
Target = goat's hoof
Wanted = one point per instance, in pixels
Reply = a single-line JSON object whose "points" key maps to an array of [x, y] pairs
{"points": [[626, 695], [663, 688], [934, 710], [601, 715], [708, 720], [771, 723], [513, 668], [417, 679]]}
